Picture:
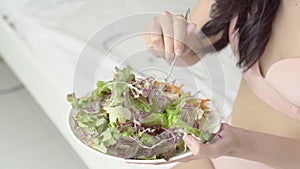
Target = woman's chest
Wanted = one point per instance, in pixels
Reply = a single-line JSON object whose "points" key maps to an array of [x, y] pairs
{"points": [[252, 113]]}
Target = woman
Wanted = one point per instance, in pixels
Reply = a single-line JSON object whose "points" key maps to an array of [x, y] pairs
{"points": [[264, 35]]}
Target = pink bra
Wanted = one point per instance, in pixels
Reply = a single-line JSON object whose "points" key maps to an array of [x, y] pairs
{"points": [[281, 86]]}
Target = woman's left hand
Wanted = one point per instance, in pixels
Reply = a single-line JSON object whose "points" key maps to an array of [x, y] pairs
{"points": [[226, 143], [272, 150]]}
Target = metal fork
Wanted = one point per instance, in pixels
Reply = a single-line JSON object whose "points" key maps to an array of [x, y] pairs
{"points": [[186, 17]]}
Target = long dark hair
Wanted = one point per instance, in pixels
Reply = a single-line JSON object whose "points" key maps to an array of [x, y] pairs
{"points": [[254, 26]]}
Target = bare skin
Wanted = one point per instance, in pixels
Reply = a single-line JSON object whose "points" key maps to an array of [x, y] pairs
{"points": [[251, 116], [285, 29]]}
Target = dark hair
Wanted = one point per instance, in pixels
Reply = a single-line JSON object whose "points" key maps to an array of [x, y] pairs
{"points": [[254, 26]]}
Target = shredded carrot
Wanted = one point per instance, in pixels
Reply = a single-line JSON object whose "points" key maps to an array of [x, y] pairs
{"points": [[175, 89], [171, 87], [156, 83], [202, 104]]}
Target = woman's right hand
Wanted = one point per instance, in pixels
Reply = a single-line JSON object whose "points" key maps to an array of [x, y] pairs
{"points": [[169, 34]]}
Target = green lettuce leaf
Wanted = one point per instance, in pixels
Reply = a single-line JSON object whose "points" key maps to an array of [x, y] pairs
{"points": [[91, 122], [140, 104], [154, 119], [120, 85], [125, 117], [119, 112], [103, 88]]}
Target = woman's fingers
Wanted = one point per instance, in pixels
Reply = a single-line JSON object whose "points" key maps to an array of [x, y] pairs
{"points": [[201, 150], [148, 43], [153, 38], [190, 28], [166, 35], [179, 24], [193, 144], [221, 145]]}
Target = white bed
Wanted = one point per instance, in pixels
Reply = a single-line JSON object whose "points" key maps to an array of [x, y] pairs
{"points": [[47, 39]]}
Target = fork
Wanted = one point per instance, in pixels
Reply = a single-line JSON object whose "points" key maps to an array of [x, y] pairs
{"points": [[186, 17]]}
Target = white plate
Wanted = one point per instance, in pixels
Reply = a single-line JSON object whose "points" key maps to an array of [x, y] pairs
{"points": [[76, 134]]}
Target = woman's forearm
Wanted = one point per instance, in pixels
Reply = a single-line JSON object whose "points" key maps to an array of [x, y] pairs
{"points": [[276, 151]]}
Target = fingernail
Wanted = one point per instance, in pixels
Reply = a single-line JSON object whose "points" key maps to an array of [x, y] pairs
{"points": [[188, 140], [193, 146], [190, 28], [178, 52]]}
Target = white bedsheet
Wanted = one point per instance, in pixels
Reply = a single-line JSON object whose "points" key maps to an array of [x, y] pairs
{"points": [[57, 35]]}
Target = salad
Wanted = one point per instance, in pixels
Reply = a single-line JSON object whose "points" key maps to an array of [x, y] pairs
{"points": [[140, 118]]}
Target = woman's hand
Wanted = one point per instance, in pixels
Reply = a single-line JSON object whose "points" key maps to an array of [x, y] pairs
{"points": [[226, 143], [275, 151], [272, 150], [168, 35]]}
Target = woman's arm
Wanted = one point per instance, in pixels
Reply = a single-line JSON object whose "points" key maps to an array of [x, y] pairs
{"points": [[275, 151]]}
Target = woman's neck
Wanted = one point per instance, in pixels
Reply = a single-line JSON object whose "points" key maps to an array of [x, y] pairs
{"points": [[292, 6], [289, 11], [285, 39]]}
